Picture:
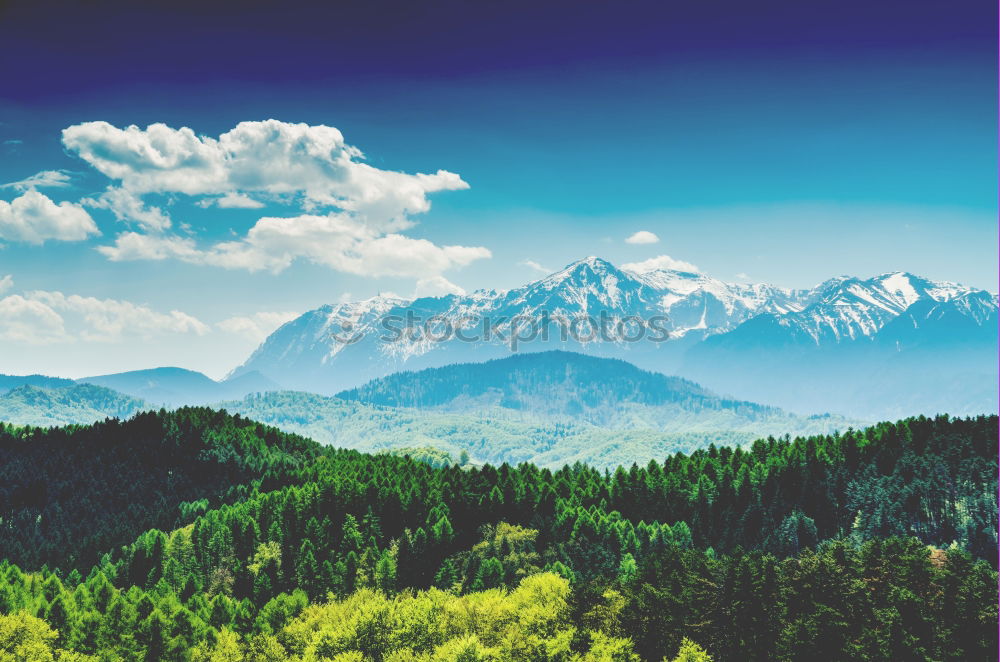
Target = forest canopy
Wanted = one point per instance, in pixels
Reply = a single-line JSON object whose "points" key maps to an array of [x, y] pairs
{"points": [[231, 540]]}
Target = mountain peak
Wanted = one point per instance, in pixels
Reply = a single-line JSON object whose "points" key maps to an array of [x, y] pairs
{"points": [[585, 270], [591, 262]]}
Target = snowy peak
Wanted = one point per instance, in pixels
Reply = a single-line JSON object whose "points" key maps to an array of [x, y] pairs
{"points": [[584, 286], [849, 308], [696, 306]]}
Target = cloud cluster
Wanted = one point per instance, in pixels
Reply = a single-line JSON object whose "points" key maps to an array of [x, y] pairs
{"points": [[256, 327], [642, 237], [34, 218], [351, 214], [334, 240], [661, 262], [44, 317], [270, 157]]}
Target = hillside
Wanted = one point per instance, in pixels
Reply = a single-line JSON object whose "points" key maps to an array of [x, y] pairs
{"points": [[67, 495], [78, 403], [491, 436], [816, 548]]}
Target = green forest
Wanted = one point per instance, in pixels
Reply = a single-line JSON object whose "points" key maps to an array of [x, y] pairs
{"points": [[203, 536]]}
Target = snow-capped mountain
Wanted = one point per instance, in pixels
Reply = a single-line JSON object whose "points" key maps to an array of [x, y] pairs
{"points": [[754, 341]]}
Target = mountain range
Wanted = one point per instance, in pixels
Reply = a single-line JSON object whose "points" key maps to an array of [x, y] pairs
{"points": [[550, 408], [154, 387], [891, 345], [862, 349]]}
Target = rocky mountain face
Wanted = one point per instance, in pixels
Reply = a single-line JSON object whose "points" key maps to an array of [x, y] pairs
{"points": [[861, 347]]}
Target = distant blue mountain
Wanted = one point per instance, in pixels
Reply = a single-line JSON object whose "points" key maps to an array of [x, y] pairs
{"points": [[557, 384], [8, 382], [177, 386]]}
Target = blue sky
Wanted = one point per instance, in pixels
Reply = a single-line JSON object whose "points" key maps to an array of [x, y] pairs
{"points": [[785, 145]]}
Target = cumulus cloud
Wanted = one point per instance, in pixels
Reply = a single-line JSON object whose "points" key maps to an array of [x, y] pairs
{"points": [[436, 286], [44, 317], [269, 157], [105, 320], [256, 327], [6, 283], [664, 262], [352, 214], [642, 237], [34, 218], [334, 240], [535, 266], [30, 322], [743, 276], [43, 179]]}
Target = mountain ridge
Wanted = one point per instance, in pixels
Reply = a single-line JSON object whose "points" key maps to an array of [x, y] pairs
{"points": [[173, 386], [712, 327]]}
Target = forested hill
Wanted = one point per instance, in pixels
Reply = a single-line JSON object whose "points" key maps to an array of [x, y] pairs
{"points": [[582, 382], [566, 386], [859, 546], [8, 382], [67, 495], [63, 405]]}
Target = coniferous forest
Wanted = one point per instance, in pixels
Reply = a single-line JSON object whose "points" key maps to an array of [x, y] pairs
{"points": [[196, 535]]}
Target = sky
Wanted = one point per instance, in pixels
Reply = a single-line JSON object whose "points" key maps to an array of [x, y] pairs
{"points": [[178, 179]]}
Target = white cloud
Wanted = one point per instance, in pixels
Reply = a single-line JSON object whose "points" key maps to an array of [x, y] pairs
{"points": [[108, 320], [129, 208], [43, 179], [34, 218], [535, 266], [269, 157], [30, 322], [256, 327], [643, 237], [231, 200], [743, 276], [134, 246], [6, 283], [436, 286], [353, 215], [664, 262], [45, 317], [334, 240]]}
